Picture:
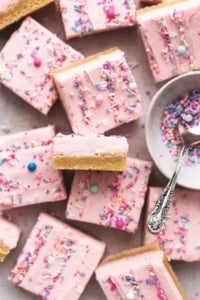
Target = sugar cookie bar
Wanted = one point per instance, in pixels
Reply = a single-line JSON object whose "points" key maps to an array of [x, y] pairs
{"points": [[57, 260], [140, 273], [26, 60], [170, 32], [26, 169], [111, 199], [99, 92], [90, 152], [178, 239]]}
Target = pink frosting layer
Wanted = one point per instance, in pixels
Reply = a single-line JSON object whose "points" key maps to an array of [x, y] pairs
{"points": [[111, 199], [89, 145], [99, 94], [9, 233], [171, 38], [142, 276], [57, 260], [26, 172], [82, 17], [179, 238], [27, 59]]}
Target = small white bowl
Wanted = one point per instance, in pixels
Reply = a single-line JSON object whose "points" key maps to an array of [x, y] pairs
{"points": [[189, 177]]}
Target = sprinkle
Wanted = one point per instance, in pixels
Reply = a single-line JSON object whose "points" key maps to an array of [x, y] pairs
{"points": [[133, 284], [7, 75], [130, 296], [37, 62], [112, 284], [181, 50], [119, 223], [110, 13], [132, 85], [149, 95], [153, 280], [94, 188], [31, 166], [82, 25], [99, 99], [7, 202]]}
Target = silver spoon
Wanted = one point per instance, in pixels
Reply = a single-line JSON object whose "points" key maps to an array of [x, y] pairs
{"points": [[157, 219]]}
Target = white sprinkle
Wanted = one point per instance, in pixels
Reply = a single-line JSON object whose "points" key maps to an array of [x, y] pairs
{"points": [[187, 118], [7, 76], [130, 296], [132, 85]]}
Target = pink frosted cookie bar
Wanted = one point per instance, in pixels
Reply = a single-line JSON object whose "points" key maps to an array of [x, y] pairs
{"points": [[111, 199], [26, 169], [26, 60], [9, 236], [142, 273], [90, 152], [82, 17], [99, 92], [171, 37], [179, 238], [57, 260]]}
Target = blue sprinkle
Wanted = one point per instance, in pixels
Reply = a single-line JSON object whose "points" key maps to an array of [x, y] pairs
{"points": [[31, 166]]}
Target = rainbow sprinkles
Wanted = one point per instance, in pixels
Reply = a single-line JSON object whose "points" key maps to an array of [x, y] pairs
{"points": [[185, 109]]}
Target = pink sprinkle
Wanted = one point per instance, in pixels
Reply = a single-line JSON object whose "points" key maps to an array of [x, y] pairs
{"points": [[99, 99], [37, 62], [39, 176], [7, 202], [110, 13], [149, 95], [119, 223], [112, 284]]}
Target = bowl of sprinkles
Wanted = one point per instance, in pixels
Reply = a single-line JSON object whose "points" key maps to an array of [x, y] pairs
{"points": [[176, 101]]}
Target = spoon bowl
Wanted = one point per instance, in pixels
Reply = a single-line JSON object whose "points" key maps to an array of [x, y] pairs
{"points": [[160, 154]]}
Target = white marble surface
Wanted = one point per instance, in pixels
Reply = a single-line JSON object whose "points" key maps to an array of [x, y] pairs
{"points": [[16, 115]]}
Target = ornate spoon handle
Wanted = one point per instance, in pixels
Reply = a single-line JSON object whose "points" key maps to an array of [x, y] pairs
{"points": [[157, 219]]}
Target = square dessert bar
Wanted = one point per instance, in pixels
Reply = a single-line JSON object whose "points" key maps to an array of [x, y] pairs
{"points": [[57, 260], [142, 273], [90, 152], [111, 199], [90, 16], [170, 32], [13, 10], [179, 238], [99, 92], [27, 59], [9, 236], [26, 169]]}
